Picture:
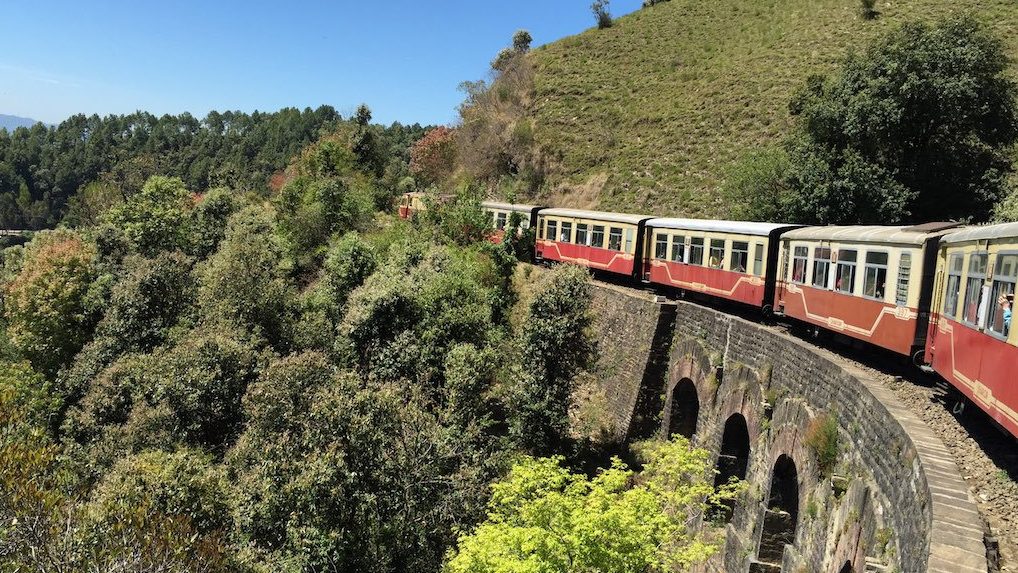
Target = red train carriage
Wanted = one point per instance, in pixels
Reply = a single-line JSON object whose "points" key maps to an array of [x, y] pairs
{"points": [[501, 213], [971, 342], [600, 241], [726, 259], [417, 201], [870, 283]]}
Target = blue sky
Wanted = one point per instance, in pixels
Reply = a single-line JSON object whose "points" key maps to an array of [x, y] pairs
{"points": [[404, 59]]}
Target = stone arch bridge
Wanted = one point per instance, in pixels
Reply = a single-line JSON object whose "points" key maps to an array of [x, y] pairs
{"points": [[753, 396]]}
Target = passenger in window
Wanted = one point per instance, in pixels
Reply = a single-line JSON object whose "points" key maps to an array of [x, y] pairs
{"points": [[1006, 302]]}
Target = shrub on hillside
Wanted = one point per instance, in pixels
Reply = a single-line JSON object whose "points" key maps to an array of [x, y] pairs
{"points": [[602, 13]]}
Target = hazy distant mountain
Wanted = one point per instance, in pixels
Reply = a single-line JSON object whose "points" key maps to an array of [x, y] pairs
{"points": [[12, 122]]}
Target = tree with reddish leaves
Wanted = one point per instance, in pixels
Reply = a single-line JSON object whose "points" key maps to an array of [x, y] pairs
{"points": [[433, 157]]}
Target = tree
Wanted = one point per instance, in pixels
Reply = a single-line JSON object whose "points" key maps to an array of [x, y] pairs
{"points": [[521, 41], [348, 263], [209, 218], [1007, 210], [339, 477], [245, 284], [155, 219], [602, 13], [915, 128], [46, 305], [433, 157], [555, 346], [542, 517]]}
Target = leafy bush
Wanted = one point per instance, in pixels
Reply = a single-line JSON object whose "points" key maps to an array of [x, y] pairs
{"points": [[868, 9], [46, 304], [542, 517], [209, 218], [185, 484], [332, 475], [149, 298], [433, 157]]}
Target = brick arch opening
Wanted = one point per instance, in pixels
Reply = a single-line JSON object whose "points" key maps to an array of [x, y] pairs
{"points": [[847, 568], [782, 514], [733, 460], [685, 409]]}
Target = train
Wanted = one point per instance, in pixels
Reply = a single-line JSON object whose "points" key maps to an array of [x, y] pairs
{"points": [[938, 294]]}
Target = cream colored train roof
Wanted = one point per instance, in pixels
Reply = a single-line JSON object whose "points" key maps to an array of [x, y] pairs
{"points": [[911, 235], [518, 207], [596, 215], [984, 233], [736, 227]]}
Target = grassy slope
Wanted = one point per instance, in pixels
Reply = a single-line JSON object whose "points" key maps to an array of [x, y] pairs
{"points": [[648, 115]]}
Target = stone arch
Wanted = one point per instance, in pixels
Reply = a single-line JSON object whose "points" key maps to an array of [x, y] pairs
{"points": [[847, 568], [733, 459], [781, 517], [685, 409]]}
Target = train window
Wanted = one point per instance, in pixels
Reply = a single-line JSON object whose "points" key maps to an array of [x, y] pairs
{"points": [[615, 239], [696, 251], [629, 240], [875, 276], [799, 264], [540, 230], [567, 232], [552, 233], [661, 247], [904, 273], [974, 287], [740, 257], [500, 219], [581, 234], [717, 253], [758, 259], [821, 266], [1005, 275], [597, 237], [678, 248], [844, 280], [953, 286]]}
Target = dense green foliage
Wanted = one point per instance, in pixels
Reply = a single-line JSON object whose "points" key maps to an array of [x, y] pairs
{"points": [[225, 382], [89, 163], [916, 128]]}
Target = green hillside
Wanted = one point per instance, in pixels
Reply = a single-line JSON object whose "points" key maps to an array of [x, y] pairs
{"points": [[648, 115]]}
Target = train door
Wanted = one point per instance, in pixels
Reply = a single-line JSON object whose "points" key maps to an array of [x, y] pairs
{"points": [[782, 278], [935, 305], [648, 244]]}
